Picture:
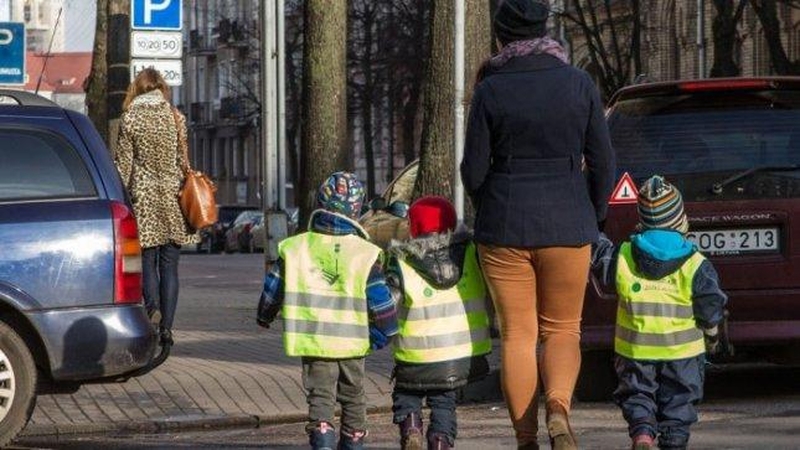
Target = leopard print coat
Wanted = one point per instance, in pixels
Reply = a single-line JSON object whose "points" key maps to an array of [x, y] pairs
{"points": [[151, 167]]}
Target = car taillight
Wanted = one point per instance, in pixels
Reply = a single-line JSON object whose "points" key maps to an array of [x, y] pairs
{"points": [[715, 85], [127, 256]]}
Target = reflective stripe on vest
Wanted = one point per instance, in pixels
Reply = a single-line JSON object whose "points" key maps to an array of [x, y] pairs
{"points": [[325, 307], [655, 320], [441, 325]]}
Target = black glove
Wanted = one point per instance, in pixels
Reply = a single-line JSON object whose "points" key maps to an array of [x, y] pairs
{"points": [[711, 338], [267, 310]]}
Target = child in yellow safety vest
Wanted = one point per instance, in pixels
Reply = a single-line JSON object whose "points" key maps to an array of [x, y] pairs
{"points": [[670, 306], [443, 322], [331, 292]]}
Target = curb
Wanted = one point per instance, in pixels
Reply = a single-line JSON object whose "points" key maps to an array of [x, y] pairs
{"points": [[173, 424]]}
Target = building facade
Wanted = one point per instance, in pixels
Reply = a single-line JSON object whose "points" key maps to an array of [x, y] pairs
{"points": [[39, 17], [220, 95], [670, 47]]}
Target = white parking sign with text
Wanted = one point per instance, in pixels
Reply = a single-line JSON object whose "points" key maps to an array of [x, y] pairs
{"points": [[156, 44], [171, 69]]}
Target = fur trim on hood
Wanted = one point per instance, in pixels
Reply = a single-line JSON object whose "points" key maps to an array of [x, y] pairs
{"points": [[151, 98], [438, 258]]}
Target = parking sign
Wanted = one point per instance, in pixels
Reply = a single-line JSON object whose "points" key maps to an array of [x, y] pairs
{"points": [[156, 14], [12, 53]]}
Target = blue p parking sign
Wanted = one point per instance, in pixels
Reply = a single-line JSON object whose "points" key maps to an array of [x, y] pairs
{"points": [[12, 53], [156, 14]]}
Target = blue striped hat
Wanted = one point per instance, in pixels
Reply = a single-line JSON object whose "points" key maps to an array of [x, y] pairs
{"points": [[660, 206]]}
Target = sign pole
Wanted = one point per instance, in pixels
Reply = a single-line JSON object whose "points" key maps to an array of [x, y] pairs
{"points": [[458, 107]]}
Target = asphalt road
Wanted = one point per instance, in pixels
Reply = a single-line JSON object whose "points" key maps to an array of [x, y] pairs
{"points": [[746, 407]]}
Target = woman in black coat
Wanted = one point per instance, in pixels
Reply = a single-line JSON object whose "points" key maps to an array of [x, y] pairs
{"points": [[539, 168]]}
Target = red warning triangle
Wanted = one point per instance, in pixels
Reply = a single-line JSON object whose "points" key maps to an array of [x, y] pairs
{"points": [[625, 192]]}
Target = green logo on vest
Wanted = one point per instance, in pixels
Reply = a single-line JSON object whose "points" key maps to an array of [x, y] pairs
{"points": [[333, 277], [636, 287], [428, 292]]}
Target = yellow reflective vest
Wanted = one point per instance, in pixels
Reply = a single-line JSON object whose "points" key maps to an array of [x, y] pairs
{"points": [[443, 324], [324, 310], [655, 319]]}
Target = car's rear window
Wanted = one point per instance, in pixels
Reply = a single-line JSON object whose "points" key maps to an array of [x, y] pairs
{"points": [[40, 165], [706, 132]]}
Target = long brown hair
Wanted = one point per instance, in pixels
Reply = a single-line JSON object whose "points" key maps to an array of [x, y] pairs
{"points": [[147, 80]]}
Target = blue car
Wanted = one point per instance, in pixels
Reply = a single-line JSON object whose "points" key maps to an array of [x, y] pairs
{"points": [[70, 262]]}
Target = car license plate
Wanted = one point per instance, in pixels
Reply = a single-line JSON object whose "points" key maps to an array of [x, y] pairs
{"points": [[736, 241]]}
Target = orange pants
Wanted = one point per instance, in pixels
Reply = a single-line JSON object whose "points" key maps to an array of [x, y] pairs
{"points": [[538, 294]]}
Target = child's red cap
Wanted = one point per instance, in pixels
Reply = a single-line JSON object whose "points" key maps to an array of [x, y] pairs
{"points": [[431, 214]]}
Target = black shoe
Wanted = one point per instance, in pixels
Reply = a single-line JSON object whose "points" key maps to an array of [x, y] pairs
{"points": [[166, 337]]}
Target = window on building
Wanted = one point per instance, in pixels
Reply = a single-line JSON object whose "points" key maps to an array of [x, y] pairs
{"points": [[219, 158], [229, 173], [761, 59]]}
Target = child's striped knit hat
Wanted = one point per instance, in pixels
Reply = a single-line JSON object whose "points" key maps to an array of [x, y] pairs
{"points": [[660, 206]]}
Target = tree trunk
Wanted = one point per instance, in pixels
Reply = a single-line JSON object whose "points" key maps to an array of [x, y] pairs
{"points": [[478, 48], [420, 25], [767, 12], [95, 85], [118, 59], [324, 97], [368, 96], [435, 176], [724, 34], [478, 44]]}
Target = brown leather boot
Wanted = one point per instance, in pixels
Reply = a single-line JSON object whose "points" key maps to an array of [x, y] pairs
{"points": [[561, 435]]}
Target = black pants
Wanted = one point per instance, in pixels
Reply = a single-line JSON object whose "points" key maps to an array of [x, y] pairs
{"points": [[441, 402], [160, 281], [659, 397]]}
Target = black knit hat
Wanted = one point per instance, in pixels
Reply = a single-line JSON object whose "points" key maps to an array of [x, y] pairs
{"points": [[517, 20]]}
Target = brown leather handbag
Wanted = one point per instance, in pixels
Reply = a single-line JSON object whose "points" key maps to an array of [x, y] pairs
{"points": [[197, 195]]}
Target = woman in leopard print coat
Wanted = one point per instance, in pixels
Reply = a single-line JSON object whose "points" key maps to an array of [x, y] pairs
{"points": [[152, 166]]}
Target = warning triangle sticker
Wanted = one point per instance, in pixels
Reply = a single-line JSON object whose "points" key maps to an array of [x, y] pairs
{"points": [[625, 192]]}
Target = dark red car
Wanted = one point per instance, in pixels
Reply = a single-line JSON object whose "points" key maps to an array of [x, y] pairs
{"points": [[732, 146]]}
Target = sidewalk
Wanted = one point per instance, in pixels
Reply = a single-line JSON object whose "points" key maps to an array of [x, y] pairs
{"points": [[212, 379]]}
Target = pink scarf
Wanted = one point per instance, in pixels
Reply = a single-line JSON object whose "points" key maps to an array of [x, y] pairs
{"points": [[517, 49]]}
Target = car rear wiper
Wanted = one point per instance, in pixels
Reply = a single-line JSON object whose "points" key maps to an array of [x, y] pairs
{"points": [[717, 188]]}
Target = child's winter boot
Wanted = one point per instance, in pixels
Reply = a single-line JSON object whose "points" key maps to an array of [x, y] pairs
{"points": [[322, 436], [438, 441], [352, 439], [643, 442], [411, 432]]}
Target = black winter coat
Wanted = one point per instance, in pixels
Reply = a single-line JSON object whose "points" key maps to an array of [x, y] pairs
{"points": [[532, 124], [439, 259]]}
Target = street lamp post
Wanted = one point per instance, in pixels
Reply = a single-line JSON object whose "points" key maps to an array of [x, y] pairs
{"points": [[458, 106], [272, 126]]}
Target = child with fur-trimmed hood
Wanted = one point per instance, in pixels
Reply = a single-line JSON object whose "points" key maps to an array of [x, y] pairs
{"points": [[443, 321]]}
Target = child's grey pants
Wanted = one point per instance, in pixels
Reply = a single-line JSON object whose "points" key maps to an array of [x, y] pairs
{"points": [[328, 381]]}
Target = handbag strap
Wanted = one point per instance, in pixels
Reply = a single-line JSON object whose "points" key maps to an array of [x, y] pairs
{"points": [[181, 145]]}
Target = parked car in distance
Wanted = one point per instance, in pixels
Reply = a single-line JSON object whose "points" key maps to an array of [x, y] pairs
{"points": [[732, 147], [70, 269], [212, 239], [386, 218], [257, 234], [233, 236]]}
